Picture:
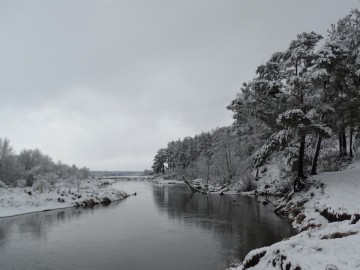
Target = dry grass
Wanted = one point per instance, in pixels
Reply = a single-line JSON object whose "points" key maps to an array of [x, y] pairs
{"points": [[338, 235], [254, 260], [300, 218]]}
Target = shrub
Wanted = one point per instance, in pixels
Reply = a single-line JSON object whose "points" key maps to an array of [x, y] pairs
{"points": [[285, 185], [2, 184], [51, 178], [247, 182], [73, 181], [21, 183], [40, 184], [337, 235]]}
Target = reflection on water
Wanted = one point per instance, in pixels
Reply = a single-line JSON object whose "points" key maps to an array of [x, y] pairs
{"points": [[37, 225], [240, 222], [163, 227]]}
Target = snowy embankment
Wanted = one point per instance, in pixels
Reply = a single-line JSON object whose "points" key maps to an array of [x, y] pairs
{"points": [[198, 184], [327, 217], [161, 181], [17, 201], [201, 186]]}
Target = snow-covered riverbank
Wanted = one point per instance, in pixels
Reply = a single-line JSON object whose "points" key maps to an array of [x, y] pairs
{"points": [[17, 201], [327, 218], [161, 181]]}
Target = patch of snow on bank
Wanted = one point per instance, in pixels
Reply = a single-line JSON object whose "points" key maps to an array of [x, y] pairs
{"points": [[327, 214], [161, 181], [170, 182], [16, 201]]}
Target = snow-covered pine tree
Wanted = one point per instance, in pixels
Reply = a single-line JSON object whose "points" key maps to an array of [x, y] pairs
{"points": [[295, 99], [159, 161], [346, 82]]}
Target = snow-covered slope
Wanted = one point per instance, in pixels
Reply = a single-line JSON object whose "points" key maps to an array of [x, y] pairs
{"points": [[327, 216], [16, 201]]}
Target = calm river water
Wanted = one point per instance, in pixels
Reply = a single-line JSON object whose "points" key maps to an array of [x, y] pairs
{"points": [[163, 227]]}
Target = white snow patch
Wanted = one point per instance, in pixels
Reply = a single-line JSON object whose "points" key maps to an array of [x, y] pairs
{"points": [[17, 201], [326, 242]]}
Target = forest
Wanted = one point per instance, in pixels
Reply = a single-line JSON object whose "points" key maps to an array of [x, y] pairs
{"points": [[300, 113], [31, 168]]}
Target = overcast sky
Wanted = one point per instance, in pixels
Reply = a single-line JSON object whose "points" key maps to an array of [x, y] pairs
{"points": [[105, 84]]}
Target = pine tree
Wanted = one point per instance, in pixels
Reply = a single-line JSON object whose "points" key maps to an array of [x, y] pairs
{"points": [[159, 161]]}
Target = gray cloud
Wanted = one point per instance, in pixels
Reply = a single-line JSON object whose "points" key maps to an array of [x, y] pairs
{"points": [[104, 84]]}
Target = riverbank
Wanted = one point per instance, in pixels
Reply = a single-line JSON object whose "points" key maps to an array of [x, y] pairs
{"points": [[87, 193], [326, 215]]}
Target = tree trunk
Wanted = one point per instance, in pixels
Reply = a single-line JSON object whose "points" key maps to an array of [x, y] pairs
{"points": [[208, 173], [192, 188], [316, 156], [344, 146], [257, 174], [298, 182], [351, 141], [301, 157], [228, 167], [340, 145]]}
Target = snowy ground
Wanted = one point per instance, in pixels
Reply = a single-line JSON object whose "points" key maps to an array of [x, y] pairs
{"points": [[200, 185], [16, 201], [327, 217], [162, 181]]}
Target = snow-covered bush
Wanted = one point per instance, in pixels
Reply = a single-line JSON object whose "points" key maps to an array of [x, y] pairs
{"points": [[42, 181], [329, 164], [247, 182], [284, 185], [2, 184], [40, 184], [73, 181], [31, 175], [329, 160], [51, 178], [277, 176], [276, 142], [21, 183]]}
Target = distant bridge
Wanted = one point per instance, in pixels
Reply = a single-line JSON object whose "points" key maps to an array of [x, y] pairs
{"points": [[127, 177]]}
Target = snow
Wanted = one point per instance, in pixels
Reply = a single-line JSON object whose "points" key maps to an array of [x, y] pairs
{"points": [[17, 201], [202, 186], [307, 251], [326, 215], [339, 184], [161, 181]]}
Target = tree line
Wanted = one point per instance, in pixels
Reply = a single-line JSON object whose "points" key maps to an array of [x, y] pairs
{"points": [[214, 154], [31, 165], [299, 101]]}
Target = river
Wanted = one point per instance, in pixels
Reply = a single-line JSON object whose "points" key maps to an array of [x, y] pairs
{"points": [[162, 227]]}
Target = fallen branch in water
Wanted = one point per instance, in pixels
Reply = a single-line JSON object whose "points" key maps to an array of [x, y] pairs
{"points": [[193, 189]]}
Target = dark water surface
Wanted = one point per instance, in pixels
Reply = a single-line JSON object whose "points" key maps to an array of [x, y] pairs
{"points": [[163, 227]]}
